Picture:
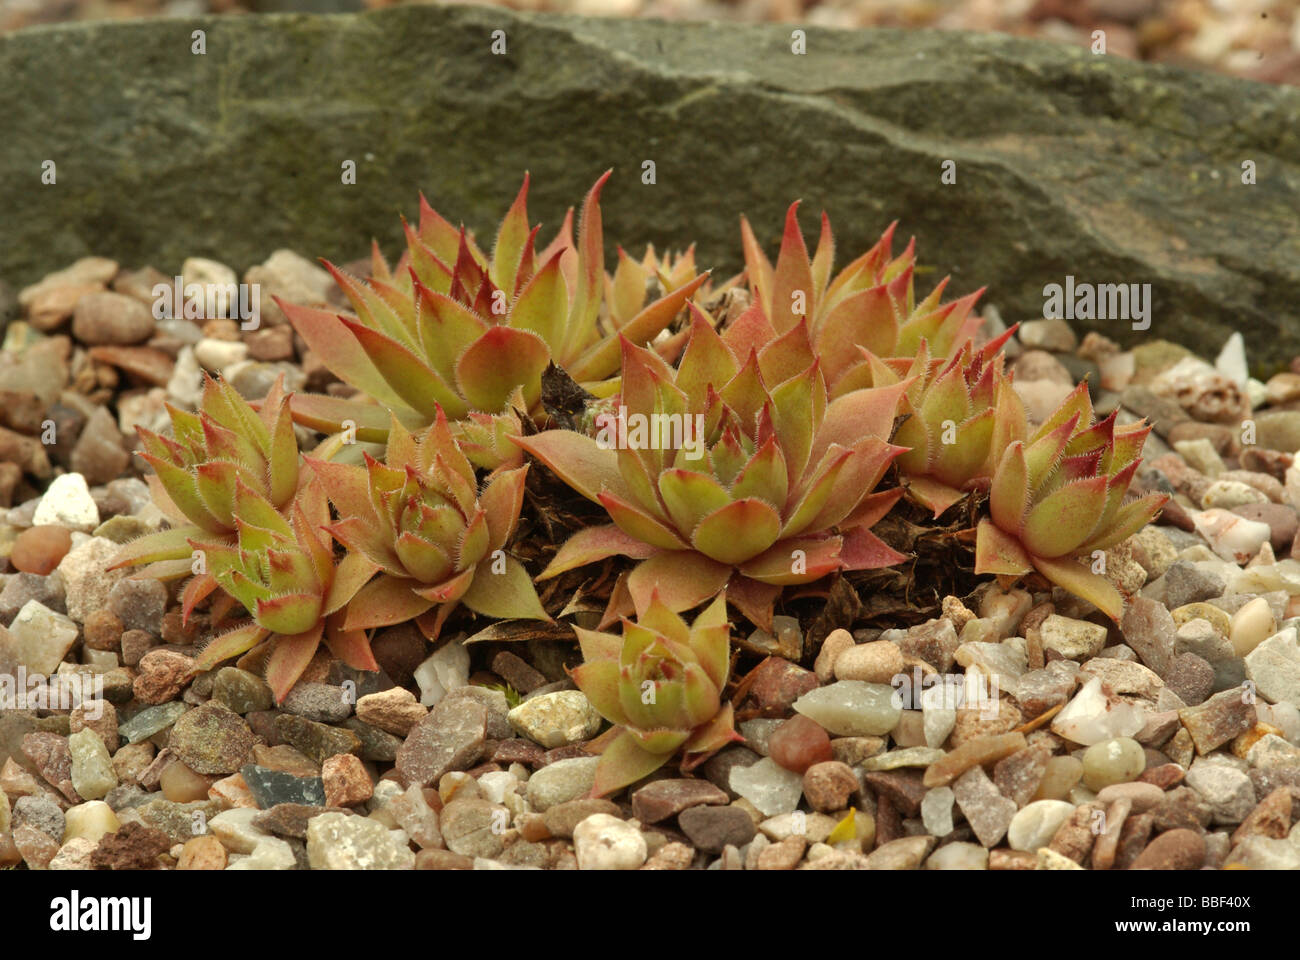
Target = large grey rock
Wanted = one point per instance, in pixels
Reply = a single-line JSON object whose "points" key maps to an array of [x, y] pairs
{"points": [[1067, 163]]}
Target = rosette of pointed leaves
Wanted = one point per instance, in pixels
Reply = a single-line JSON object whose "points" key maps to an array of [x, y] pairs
{"points": [[454, 329], [1059, 495], [436, 539], [961, 415], [661, 685], [283, 571], [197, 470], [870, 303], [765, 482]]}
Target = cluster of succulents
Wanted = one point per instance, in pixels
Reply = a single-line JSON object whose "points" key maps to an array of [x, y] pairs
{"points": [[735, 456]]}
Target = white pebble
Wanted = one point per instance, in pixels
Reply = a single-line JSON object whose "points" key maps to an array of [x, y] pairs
{"points": [[604, 842], [67, 503]]}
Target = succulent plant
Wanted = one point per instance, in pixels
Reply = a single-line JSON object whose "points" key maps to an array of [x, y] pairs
{"points": [[198, 470], [454, 330], [661, 685], [1059, 495], [283, 571], [757, 487], [870, 303], [961, 414], [436, 539]]}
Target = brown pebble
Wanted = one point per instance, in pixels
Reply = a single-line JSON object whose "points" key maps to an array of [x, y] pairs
{"points": [[1173, 850], [799, 743], [828, 785], [102, 630], [38, 550], [433, 859], [1143, 796]]}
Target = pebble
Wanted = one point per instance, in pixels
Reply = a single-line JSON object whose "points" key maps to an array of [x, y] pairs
{"points": [[48, 752], [1218, 720], [269, 854], [667, 798], [976, 752], [445, 670], [556, 719], [1230, 535], [783, 855], [67, 503], [36, 848], [111, 319], [337, 841], [836, 642], [92, 767], [1019, 775], [241, 691], [875, 662], [1072, 639], [827, 786], [315, 740], [1250, 625], [986, 810], [814, 827], [410, 810], [321, 702], [474, 827], [1149, 629], [346, 781], [778, 683], [1036, 824], [560, 781], [1119, 760], [1186, 583], [851, 708], [271, 788], [38, 638], [768, 786], [86, 577], [907, 853], [711, 828], [150, 721], [934, 641], [211, 739], [604, 842], [1172, 850], [39, 812], [1053, 334], [1092, 717], [936, 811], [75, 854], [958, 856], [1227, 790], [1141, 796], [451, 737], [394, 710], [236, 831], [1274, 667], [1191, 678], [38, 550], [139, 604], [202, 853], [798, 743]]}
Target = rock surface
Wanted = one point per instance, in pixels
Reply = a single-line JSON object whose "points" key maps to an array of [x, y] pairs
{"points": [[887, 107]]}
